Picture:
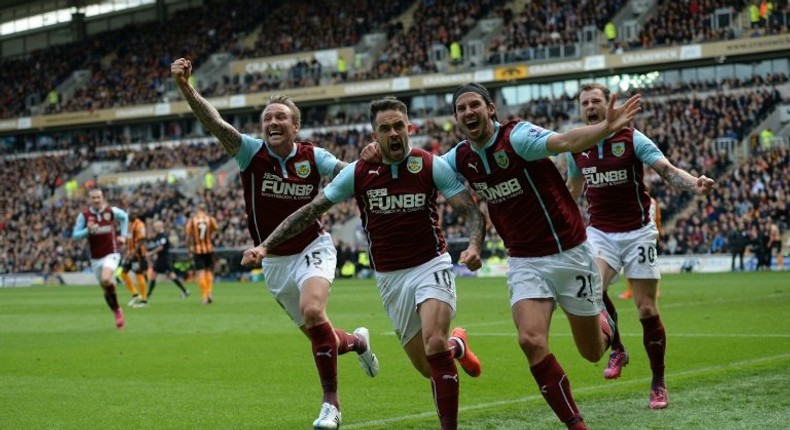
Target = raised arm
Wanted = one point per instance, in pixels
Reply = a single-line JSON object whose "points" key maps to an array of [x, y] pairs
{"points": [[290, 227], [581, 138], [464, 204], [680, 179], [208, 115]]}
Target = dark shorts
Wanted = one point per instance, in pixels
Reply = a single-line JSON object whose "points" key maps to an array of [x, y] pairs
{"points": [[137, 263], [163, 265], [202, 261]]}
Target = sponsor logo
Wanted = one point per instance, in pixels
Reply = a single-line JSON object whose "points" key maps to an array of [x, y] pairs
{"points": [[285, 189], [397, 203], [586, 154], [378, 192], [473, 166], [614, 177], [414, 164], [501, 159], [303, 169], [451, 378], [271, 177], [371, 171], [500, 191]]}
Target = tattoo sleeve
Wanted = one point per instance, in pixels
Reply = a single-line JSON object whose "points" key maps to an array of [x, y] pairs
{"points": [[677, 178], [298, 221], [338, 167], [209, 116], [466, 206]]}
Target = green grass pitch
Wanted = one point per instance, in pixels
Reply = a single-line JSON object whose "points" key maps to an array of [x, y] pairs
{"points": [[241, 364]]}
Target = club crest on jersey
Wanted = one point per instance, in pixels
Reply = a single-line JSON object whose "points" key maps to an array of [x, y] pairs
{"points": [[501, 159], [618, 149], [106, 216], [414, 164], [302, 169]]}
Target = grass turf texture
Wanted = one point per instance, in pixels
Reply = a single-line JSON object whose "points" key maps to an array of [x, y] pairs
{"points": [[241, 364]]}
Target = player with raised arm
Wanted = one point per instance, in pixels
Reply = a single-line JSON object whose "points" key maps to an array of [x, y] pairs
{"points": [[97, 224], [280, 175], [621, 229], [414, 272], [550, 262]]}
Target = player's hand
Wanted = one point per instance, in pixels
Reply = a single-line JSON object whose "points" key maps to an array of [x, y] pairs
{"points": [[92, 225], [122, 240], [181, 70], [704, 184], [371, 153], [253, 256], [471, 259], [619, 117]]}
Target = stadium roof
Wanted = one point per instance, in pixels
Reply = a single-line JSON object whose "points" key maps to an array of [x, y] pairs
{"points": [[23, 8]]}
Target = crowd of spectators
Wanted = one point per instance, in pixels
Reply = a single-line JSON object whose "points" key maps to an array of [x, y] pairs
{"points": [[131, 65], [547, 24], [693, 21], [36, 225]]}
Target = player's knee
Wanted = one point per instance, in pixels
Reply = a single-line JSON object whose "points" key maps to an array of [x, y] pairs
{"points": [[313, 313], [593, 353], [532, 343], [647, 310], [435, 343]]}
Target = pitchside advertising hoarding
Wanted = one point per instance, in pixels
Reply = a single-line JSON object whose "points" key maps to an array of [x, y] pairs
{"points": [[667, 265]]}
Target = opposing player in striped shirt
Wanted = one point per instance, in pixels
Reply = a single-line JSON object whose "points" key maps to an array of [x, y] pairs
{"points": [[199, 232]]}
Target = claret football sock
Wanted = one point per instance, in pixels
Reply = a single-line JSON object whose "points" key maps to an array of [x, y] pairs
{"points": [[445, 382], [324, 345]]}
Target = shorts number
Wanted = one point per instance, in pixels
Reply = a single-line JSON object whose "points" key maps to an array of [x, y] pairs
{"points": [[444, 277], [315, 261], [647, 254], [586, 288]]}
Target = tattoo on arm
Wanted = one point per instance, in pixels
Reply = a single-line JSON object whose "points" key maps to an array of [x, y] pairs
{"points": [[209, 116], [677, 178], [338, 167], [298, 221], [466, 206]]}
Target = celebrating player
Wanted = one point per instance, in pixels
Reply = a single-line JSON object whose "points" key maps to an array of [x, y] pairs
{"points": [[280, 175], [621, 230], [414, 272]]}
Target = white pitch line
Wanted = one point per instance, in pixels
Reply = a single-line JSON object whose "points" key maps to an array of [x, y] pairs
{"points": [[620, 383]]}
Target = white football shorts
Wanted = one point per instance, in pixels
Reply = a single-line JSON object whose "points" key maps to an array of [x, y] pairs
{"points": [[571, 278], [110, 261], [403, 290], [285, 275], [634, 252]]}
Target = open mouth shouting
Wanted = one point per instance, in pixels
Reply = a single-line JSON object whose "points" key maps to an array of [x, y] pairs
{"points": [[473, 125], [593, 117]]}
